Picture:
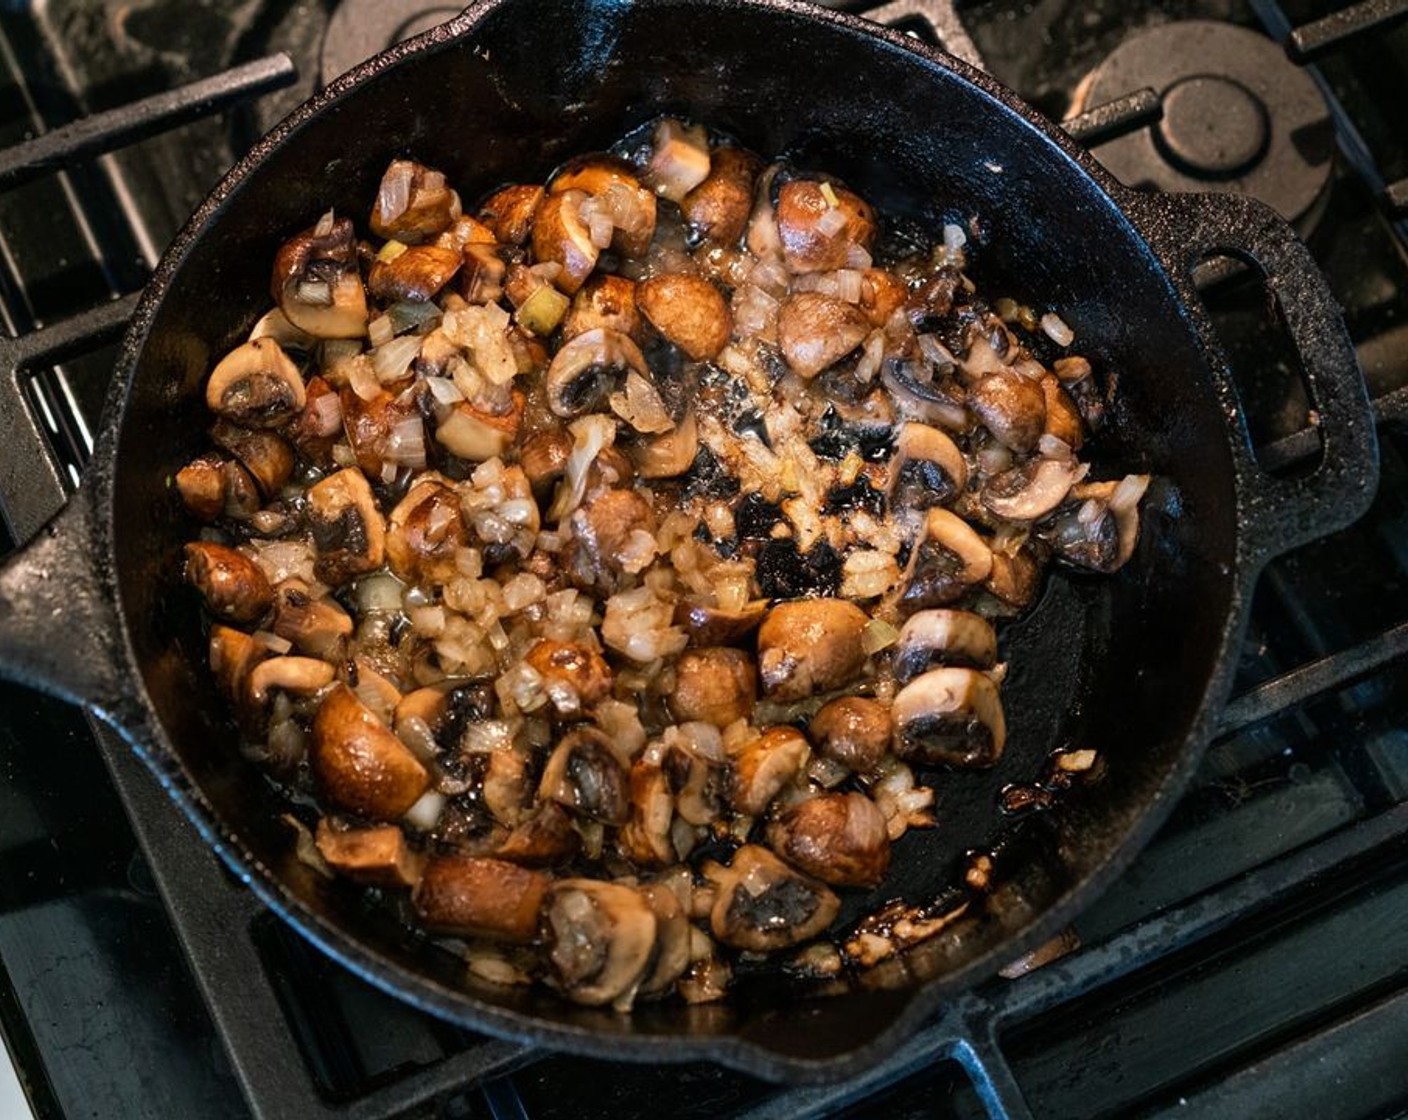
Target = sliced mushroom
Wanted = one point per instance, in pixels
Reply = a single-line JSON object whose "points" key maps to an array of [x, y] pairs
{"points": [[575, 675], [673, 935], [717, 209], [854, 731], [302, 676], [560, 236], [413, 203], [630, 207], [543, 838], [950, 717], [839, 838], [1063, 419], [613, 533], [1011, 407], [266, 455], [346, 525], [585, 775], [600, 940], [713, 626], [202, 485], [256, 385], [948, 560], [943, 637], [762, 904], [416, 273], [378, 857], [928, 306], [425, 531], [819, 223], [808, 646], [477, 897], [815, 331], [1030, 492], [604, 301], [669, 454], [475, 435], [928, 469], [482, 273], [765, 766], [360, 765], [233, 586], [716, 686], [645, 838], [688, 311], [510, 212], [316, 283], [920, 395], [585, 370]]}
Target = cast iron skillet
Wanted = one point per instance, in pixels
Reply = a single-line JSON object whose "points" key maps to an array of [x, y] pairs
{"points": [[1136, 666]]}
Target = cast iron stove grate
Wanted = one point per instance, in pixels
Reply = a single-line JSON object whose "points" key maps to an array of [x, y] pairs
{"points": [[1259, 943]]}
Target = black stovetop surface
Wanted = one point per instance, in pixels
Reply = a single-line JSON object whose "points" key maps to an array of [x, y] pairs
{"points": [[1253, 961]]}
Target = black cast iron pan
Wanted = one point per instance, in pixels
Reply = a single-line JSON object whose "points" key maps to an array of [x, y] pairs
{"points": [[1136, 666]]}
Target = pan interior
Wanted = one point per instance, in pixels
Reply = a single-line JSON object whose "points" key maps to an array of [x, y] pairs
{"points": [[1120, 665]]}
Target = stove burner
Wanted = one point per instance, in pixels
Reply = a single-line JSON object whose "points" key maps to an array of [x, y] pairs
{"points": [[359, 29], [1238, 116]]}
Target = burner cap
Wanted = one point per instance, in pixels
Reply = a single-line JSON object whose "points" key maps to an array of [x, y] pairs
{"points": [[359, 29], [1238, 116]]}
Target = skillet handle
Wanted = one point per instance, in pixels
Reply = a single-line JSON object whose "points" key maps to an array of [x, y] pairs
{"points": [[59, 627], [1280, 514]]}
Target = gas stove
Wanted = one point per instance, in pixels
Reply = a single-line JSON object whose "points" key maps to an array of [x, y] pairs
{"points": [[1251, 962]]}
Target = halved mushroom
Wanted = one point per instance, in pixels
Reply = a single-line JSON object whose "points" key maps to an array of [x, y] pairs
{"points": [[317, 627], [1015, 576], [256, 385], [233, 656], [881, 295], [613, 533], [604, 301], [943, 637], [815, 331], [584, 774], [717, 686], [202, 484], [1011, 407], [1100, 528], [948, 560], [839, 838], [713, 626], [927, 307], [233, 586], [673, 935], [645, 838], [920, 395], [302, 676], [618, 198], [950, 717], [1063, 419], [575, 676], [346, 525], [475, 435], [808, 646], [1030, 492], [510, 212], [600, 940], [585, 370], [360, 765], [562, 237], [385, 430], [928, 469], [316, 283], [819, 223], [477, 897], [482, 272], [266, 455], [765, 766], [416, 273], [696, 781], [717, 209], [425, 531], [762, 904], [688, 311], [413, 203], [543, 838], [377, 856], [852, 730], [669, 454]]}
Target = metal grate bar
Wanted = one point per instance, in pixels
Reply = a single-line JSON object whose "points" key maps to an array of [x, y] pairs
{"points": [[1318, 38], [102, 132], [1115, 118], [1391, 408], [942, 19], [78, 334]]}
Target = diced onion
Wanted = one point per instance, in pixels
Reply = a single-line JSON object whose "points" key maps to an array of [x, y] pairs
{"points": [[361, 375], [379, 592], [325, 224], [380, 330], [877, 634], [831, 222], [444, 390], [390, 362], [325, 412], [426, 811], [1056, 329], [405, 445]]}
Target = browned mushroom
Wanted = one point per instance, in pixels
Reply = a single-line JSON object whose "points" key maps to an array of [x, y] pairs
{"points": [[346, 525], [669, 454], [575, 676], [314, 430], [1015, 576], [1100, 527], [360, 765], [377, 856], [613, 532], [418, 273], [316, 283], [233, 586], [688, 311], [815, 331], [202, 484], [881, 295], [475, 435], [584, 774], [604, 301], [852, 730], [266, 455], [762, 904], [943, 637], [425, 531], [317, 627], [510, 212], [765, 766], [600, 940], [645, 837], [808, 646], [928, 469], [672, 935], [717, 686], [377, 427], [256, 385], [698, 782], [233, 656], [948, 560], [717, 209], [819, 223], [950, 717], [1011, 407], [543, 838], [713, 626], [1063, 419], [1031, 491], [477, 897], [561, 237], [413, 203], [507, 790], [618, 196], [588, 367], [482, 272], [839, 838]]}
